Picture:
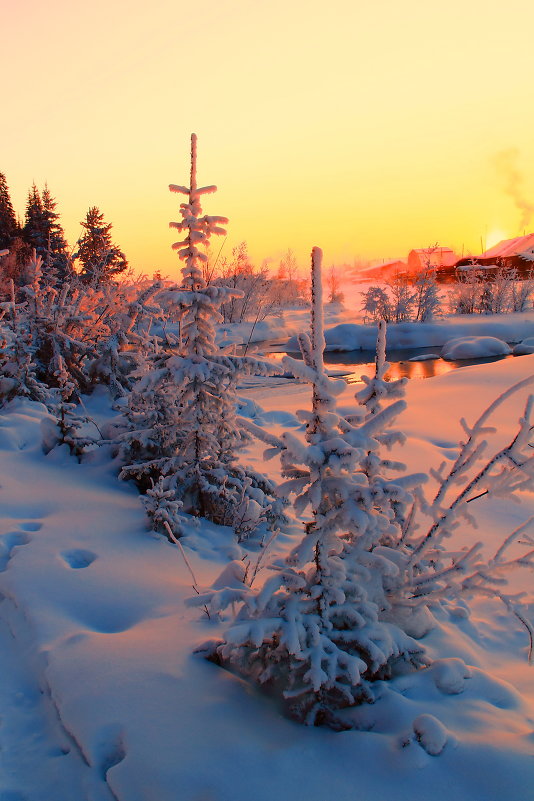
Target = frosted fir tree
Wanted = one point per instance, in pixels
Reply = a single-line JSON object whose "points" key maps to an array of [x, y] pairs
{"points": [[314, 631], [183, 434]]}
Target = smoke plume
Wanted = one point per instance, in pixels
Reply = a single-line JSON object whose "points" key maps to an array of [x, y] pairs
{"points": [[506, 164]]}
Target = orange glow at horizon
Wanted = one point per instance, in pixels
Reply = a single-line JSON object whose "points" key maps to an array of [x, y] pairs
{"points": [[365, 129]]}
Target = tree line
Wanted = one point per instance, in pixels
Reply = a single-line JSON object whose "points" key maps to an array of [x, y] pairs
{"points": [[41, 232]]}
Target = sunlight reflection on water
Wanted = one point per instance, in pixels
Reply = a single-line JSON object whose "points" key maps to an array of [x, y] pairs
{"points": [[353, 364]]}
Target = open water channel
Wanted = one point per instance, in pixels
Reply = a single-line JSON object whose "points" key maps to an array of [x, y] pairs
{"points": [[353, 364]]}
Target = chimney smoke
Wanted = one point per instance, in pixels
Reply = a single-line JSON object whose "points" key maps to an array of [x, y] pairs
{"points": [[506, 164]]}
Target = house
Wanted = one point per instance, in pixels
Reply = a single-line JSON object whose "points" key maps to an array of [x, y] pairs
{"points": [[517, 253], [434, 258], [381, 272]]}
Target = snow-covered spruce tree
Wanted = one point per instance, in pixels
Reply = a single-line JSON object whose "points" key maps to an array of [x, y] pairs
{"points": [[340, 610], [314, 632], [183, 434]]}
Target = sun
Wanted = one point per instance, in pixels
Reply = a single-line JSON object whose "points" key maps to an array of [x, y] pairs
{"points": [[494, 236]]}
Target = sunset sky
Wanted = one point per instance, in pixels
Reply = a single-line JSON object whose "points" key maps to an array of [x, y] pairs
{"points": [[364, 128]]}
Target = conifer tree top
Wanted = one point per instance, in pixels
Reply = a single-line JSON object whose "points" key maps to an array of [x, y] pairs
{"points": [[198, 229]]}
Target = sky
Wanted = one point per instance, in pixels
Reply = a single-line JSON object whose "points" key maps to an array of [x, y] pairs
{"points": [[364, 128]]}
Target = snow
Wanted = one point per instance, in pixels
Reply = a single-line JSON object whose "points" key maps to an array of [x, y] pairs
{"points": [[430, 734], [102, 698], [474, 348], [525, 347]]}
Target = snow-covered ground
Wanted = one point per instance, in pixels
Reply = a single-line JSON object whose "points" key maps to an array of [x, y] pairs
{"points": [[102, 697]]}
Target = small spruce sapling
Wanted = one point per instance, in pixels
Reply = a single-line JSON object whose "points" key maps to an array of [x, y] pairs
{"points": [[183, 436], [313, 631], [343, 608]]}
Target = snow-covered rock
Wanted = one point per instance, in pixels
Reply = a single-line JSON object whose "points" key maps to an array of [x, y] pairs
{"points": [[525, 347], [474, 348]]}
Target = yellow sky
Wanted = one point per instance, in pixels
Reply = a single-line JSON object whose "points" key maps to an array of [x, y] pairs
{"points": [[366, 128]]}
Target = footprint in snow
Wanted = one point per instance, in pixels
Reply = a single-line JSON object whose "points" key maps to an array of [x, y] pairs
{"points": [[7, 543], [78, 558], [30, 526]]}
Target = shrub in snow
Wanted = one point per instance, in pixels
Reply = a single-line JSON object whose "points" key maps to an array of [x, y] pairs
{"points": [[467, 292], [343, 609], [522, 292], [183, 434], [402, 298], [253, 299], [427, 300], [127, 339], [401, 302], [96, 333], [69, 424], [493, 291], [376, 304]]}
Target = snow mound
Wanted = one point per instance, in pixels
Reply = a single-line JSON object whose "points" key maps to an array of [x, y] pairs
{"points": [[525, 347], [450, 674], [430, 733], [474, 348]]}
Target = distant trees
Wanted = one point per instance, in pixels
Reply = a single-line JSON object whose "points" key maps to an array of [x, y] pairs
{"points": [[9, 227], [402, 301], [43, 232], [259, 292], [254, 298], [100, 259], [35, 229], [335, 294]]}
